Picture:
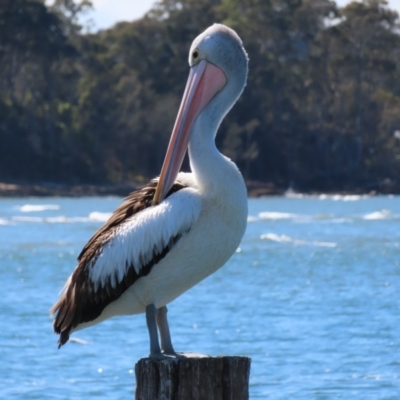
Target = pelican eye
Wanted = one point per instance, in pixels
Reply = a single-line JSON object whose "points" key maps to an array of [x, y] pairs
{"points": [[195, 55]]}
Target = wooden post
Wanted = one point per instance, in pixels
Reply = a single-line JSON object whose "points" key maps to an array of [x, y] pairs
{"points": [[194, 378]]}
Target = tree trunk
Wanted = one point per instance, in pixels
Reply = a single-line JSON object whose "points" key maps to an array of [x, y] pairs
{"points": [[195, 378]]}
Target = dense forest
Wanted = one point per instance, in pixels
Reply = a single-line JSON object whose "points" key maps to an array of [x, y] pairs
{"points": [[321, 110]]}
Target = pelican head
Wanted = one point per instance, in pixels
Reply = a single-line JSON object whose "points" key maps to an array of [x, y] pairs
{"points": [[222, 47], [218, 71]]}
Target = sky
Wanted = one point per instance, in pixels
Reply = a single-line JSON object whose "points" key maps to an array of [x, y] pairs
{"points": [[108, 12]]}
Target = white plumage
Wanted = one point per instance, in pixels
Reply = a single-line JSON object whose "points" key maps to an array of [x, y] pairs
{"points": [[166, 239], [140, 236]]}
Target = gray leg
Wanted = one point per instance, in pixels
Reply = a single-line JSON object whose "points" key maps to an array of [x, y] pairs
{"points": [[151, 314], [162, 322]]}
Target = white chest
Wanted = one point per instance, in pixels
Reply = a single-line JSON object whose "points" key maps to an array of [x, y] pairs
{"points": [[211, 241]]}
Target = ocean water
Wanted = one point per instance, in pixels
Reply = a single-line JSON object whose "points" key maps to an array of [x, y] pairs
{"points": [[311, 295]]}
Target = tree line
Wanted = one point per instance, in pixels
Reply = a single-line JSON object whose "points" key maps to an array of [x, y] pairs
{"points": [[321, 110]]}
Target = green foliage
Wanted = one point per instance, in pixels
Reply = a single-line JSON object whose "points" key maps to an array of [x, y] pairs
{"points": [[319, 112]]}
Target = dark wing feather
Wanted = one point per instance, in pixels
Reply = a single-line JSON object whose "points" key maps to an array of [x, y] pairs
{"points": [[80, 302]]}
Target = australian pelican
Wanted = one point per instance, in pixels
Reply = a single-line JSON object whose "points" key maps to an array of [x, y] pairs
{"points": [[180, 228]]}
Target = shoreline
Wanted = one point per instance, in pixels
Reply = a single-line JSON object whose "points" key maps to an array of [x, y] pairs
{"points": [[64, 190], [254, 188]]}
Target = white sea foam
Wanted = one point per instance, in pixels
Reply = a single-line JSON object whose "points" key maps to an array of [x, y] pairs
{"points": [[287, 239], [38, 207], [343, 220], [27, 219], [382, 214], [301, 218], [99, 216], [354, 197], [341, 197], [61, 219], [323, 216], [79, 341], [57, 220], [291, 194], [276, 215]]}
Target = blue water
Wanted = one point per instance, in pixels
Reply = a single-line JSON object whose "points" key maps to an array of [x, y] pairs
{"points": [[311, 295]]}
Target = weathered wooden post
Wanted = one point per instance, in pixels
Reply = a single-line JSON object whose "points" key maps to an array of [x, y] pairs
{"points": [[193, 378]]}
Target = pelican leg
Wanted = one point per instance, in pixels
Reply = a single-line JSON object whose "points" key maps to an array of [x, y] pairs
{"points": [[165, 336], [151, 315]]}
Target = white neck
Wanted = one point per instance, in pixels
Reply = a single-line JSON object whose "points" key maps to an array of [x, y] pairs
{"points": [[213, 172]]}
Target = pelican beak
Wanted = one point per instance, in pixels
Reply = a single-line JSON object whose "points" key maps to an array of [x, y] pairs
{"points": [[205, 81]]}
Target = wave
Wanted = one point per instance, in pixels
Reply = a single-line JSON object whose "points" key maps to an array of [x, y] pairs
{"points": [[276, 215], [382, 214], [94, 216], [298, 218], [287, 239], [343, 220], [79, 341], [62, 219], [323, 196], [99, 216], [327, 217], [27, 219], [343, 197], [291, 194], [39, 219], [38, 207]]}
